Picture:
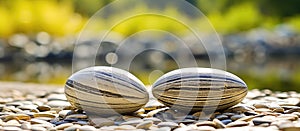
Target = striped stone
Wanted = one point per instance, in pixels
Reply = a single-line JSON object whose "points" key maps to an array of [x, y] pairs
{"points": [[195, 89], [105, 91]]}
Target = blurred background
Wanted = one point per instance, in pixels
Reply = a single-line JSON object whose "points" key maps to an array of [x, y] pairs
{"points": [[260, 38]]}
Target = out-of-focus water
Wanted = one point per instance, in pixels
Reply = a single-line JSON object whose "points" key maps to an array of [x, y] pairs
{"points": [[273, 73]]}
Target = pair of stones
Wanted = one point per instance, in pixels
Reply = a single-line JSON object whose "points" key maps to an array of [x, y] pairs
{"points": [[106, 91]]}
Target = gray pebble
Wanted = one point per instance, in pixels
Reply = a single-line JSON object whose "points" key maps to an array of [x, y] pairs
{"points": [[259, 121], [236, 117], [221, 117], [226, 121]]}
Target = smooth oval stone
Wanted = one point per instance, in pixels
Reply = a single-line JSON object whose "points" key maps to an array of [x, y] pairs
{"points": [[193, 89], [105, 91], [226, 121]]}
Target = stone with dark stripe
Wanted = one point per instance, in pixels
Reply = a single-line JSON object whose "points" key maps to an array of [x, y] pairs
{"points": [[196, 89], [105, 91]]}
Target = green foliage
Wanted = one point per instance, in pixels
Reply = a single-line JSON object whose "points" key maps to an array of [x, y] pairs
{"points": [[25, 16], [68, 17]]}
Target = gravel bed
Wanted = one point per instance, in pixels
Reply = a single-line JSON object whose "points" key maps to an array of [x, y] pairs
{"points": [[47, 109]]}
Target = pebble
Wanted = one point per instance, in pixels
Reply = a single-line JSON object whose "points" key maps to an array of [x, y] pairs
{"points": [[45, 114], [167, 124], [72, 128], [58, 103], [144, 125], [205, 128], [219, 124], [78, 116], [236, 117], [237, 124], [226, 121], [153, 119], [64, 113], [259, 121], [258, 112], [125, 127], [26, 125], [132, 122], [87, 128], [291, 117], [38, 128], [11, 128], [206, 123], [44, 108], [54, 97], [63, 126], [100, 122], [163, 129]]}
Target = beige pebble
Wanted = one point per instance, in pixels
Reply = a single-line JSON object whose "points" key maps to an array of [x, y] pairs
{"points": [[288, 117], [205, 128], [132, 122], [78, 116], [125, 127], [48, 126], [100, 122], [44, 108], [219, 124], [144, 125], [168, 124], [38, 128], [11, 128], [72, 128], [260, 110], [57, 103], [26, 125], [206, 123], [155, 120], [45, 114], [163, 129], [87, 128], [237, 124], [11, 123], [108, 128], [17, 116], [63, 113], [63, 126], [260, 105], [152, 113]]}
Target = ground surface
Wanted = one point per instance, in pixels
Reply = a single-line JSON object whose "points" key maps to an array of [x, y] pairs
{"points": [[44, 107]]}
